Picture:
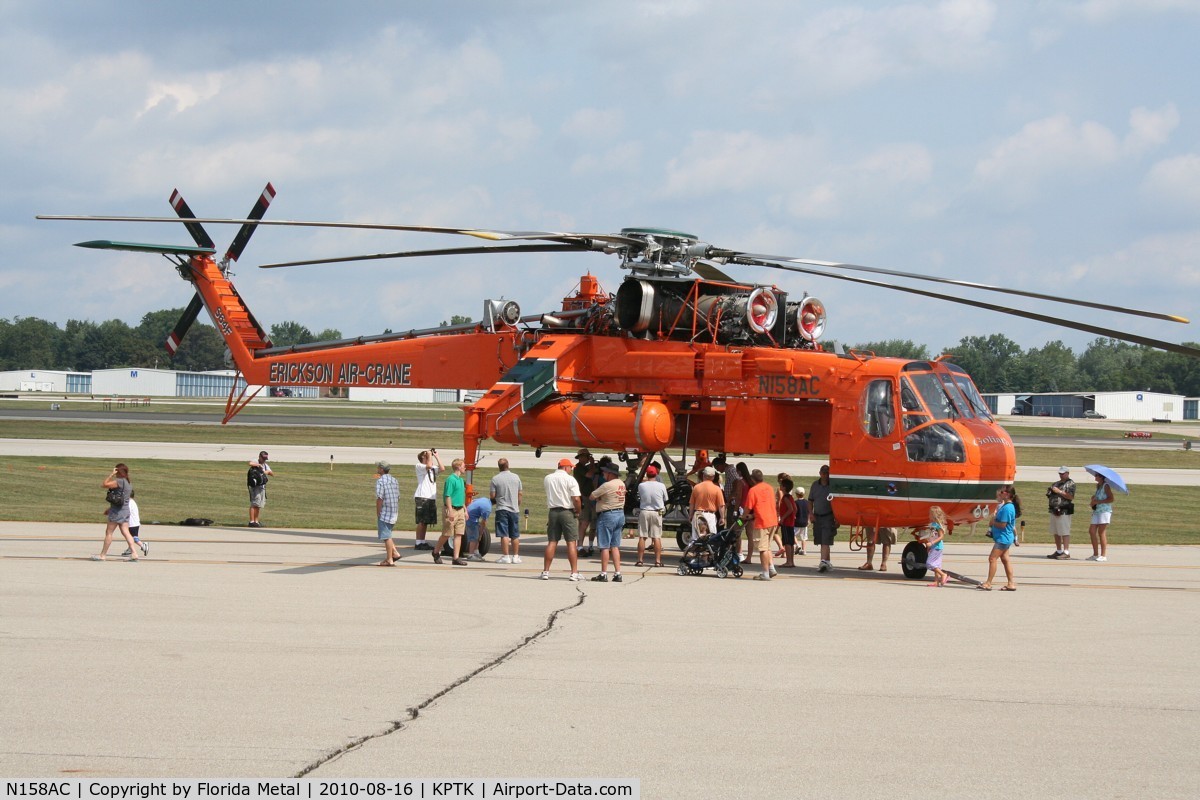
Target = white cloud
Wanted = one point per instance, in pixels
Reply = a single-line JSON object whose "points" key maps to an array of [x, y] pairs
{"points": [[1106, 10], [1056, 146], [1175, 182], [1164, 261]]}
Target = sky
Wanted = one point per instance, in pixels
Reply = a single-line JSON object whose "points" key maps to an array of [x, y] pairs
{"points": [[1046, 146]]}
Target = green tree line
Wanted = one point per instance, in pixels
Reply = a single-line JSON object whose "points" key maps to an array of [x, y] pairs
{"points": [[83, 345], [998, 364]]}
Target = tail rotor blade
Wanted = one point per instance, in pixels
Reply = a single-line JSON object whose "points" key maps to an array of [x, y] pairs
{"points": [[243, 235], [181, 327]]}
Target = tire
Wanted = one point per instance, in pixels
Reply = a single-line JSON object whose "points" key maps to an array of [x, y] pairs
{"points": [[682, 570], [737, 570], [485, 542], [681, 539], [912, 561], [722, 572]]}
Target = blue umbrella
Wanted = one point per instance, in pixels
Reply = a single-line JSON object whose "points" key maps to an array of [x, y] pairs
{"points": [[1110, 475]]}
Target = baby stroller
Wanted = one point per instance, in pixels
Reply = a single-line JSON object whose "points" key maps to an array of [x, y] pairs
{"points": [[712, 551]]}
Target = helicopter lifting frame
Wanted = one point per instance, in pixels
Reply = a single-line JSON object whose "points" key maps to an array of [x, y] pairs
{"points": [[232, 405]]}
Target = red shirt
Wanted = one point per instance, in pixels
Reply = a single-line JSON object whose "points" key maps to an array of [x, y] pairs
{"points": [[761, 501]]}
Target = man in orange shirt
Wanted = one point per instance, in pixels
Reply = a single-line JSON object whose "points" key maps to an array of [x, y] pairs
{"points": [[764, 514], [708, 502]]}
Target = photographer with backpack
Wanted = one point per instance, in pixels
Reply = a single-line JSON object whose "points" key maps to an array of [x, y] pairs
{"points": [[256, 483]]}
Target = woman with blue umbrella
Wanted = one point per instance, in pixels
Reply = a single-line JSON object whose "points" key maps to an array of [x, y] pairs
{"points": [[1106, 480]]}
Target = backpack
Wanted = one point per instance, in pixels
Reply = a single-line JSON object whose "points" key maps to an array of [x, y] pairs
{"points": [[115, 497], [256, 477]]}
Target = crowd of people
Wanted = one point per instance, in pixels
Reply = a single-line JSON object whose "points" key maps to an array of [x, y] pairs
{"points": [[586, 501]]}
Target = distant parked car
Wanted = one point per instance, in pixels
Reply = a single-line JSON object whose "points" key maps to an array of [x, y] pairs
{"points": [[1138, 435], [1093, 415], [1016, 412]]}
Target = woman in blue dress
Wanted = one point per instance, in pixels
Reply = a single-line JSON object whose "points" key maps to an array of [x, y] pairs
{"points": [[1003, 536]]}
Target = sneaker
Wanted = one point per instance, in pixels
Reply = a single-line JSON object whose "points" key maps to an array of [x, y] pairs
{"points": [[774, 571], [824, 566], [516, 559], [617, 577], [504, 560], [1055, 555], [762, 576], [145, 548], [1102, 558], [422, 546], [253, 525], [459, 562], [546, 576], [601, 578], [1093, 558], [1065, 556], [437, 557], [128, 552], [575, 576], [474, 557]]}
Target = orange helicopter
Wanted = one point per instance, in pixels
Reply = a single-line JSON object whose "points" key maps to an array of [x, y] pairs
{"points": [[680, 356]]}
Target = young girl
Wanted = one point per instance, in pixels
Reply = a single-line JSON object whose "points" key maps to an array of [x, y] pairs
{"points": [[787, 520], [932, 538]]}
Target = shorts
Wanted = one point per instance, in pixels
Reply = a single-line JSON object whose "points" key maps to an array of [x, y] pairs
{"points": [[1101, 517], [823, 530], [1002, 546], [933, 559], [608, 528], [508, 524], [384, 529], [789, 534], [258, 496], [134, 530], [885, 536], [455, 523], [760, 538], [562, 524], [587, 510], [1060, 525], [425, 510], [802, 533], [650, 524], [472, 531]]}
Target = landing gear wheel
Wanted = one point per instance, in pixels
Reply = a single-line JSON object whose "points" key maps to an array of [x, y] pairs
{"points": [[485, 544], [682, 537], [913, 561]]}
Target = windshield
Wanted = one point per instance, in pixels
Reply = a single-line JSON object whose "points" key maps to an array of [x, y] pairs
{"points": [[934, 395], [967, 387]]}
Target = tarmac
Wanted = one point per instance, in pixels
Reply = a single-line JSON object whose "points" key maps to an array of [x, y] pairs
{"points": [[239, 653]]}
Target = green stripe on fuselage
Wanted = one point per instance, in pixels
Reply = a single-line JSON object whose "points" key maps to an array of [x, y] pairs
{"points": [[910, 489]]}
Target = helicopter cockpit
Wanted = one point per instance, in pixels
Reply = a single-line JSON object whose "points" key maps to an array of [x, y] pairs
{"points": [[932, 396]]}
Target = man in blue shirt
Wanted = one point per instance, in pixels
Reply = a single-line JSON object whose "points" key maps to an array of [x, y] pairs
{"points": [[477, 516]]}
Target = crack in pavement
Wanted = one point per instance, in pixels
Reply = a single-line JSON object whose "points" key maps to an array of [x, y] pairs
{"points": [[415, 711]]}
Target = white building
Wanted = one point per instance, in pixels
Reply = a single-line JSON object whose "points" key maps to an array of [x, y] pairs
{"points": [[46, 380], [379, 395], [1126, 406]]}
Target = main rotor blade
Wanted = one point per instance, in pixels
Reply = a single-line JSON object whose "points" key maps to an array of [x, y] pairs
{"points": [[1108, 333], [966, 284], [243, 235], [451, 251], [586, 239]]}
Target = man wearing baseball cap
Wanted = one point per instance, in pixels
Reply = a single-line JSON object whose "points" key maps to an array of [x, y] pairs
{"points": [[1062, 506], [387, 508], [610, 519], [562, 498], [256, 482]]}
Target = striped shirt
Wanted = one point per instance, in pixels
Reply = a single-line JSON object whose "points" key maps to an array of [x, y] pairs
{"points": [[388, 490]]}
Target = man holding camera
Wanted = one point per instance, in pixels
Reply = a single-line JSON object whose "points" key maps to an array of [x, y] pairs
{"points": [[1061, 495], [425, 497]]}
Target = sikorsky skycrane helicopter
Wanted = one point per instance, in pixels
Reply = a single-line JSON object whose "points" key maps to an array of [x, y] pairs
{"points": [[681, 356]]}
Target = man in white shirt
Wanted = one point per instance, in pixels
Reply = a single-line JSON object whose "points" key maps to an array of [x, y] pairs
{"points": [[652, 502], [425, 497], [563, 501]]}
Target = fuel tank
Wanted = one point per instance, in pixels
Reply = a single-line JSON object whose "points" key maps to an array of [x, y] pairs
{"points": [[645, 425]]}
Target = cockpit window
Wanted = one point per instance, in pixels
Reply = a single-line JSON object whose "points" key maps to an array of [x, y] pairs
{"points": [[967, 387], [914, 413], [877, 409], [931, 391], [956, 397], [936, 442]]}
